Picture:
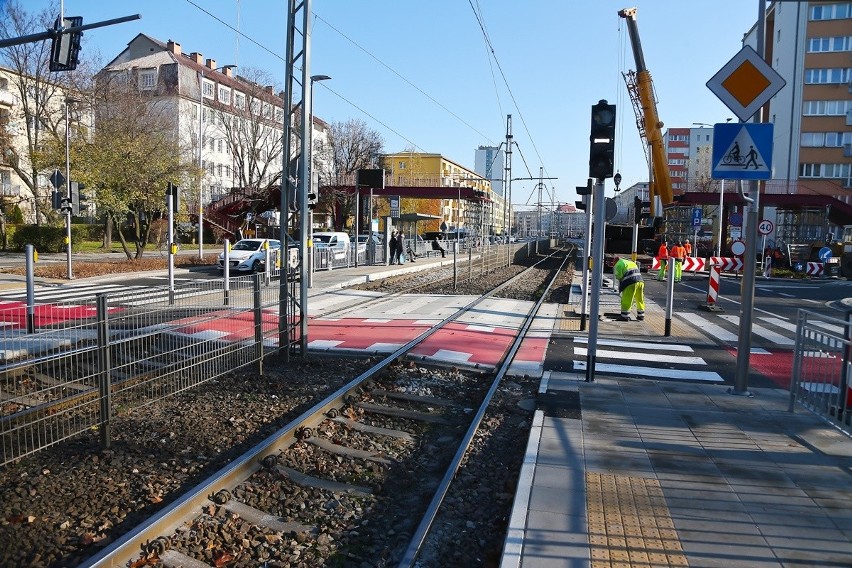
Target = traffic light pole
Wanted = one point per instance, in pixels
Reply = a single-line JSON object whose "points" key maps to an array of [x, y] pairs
{"points": [[69, 272], [596, 266]]}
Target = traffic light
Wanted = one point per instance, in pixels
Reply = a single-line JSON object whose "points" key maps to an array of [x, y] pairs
{"points": [[78, 198], [581, 205], [639, 210], [65, 47], [174, 191], [602, 141], [313, 192]]}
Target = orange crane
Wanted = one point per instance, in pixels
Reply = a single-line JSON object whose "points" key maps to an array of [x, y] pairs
{"points": [[641, 89]]}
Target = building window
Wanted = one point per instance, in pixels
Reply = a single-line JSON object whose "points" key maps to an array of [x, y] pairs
{"points": [[239, 100], [219, 170], [826, 108], [831, 11], [279, 115], [401, 165], [825, 44], [221, 143], [827, 76], [224, 95], [207, 89], [148, 79]]}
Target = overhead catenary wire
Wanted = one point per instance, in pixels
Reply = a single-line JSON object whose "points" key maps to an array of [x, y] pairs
{"points": [[506, 82], [366, 113]]}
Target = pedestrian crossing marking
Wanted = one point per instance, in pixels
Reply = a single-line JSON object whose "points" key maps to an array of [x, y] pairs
{"points": [[652, 372], [705, 325], [654, 357], [783, 324], [767, 334], [637, 344]]}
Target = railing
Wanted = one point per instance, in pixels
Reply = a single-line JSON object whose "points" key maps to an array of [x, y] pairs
{"points": [[85, 361], [822, 367]]}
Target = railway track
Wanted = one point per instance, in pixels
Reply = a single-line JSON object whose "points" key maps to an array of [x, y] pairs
{"points": [[254, 511]]}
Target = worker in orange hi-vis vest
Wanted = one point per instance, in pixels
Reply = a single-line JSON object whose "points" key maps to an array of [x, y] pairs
{"points": [[663, 255], [688, 247], [678, 253]]}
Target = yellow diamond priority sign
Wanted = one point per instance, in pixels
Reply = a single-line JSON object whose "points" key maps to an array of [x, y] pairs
{"points": [[746, 83]]}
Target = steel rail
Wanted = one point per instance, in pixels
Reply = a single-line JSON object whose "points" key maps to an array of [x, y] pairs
{"points": [[419, 536]]}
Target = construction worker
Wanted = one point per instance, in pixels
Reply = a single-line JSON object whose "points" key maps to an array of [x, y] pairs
{"points": [[663, 255], [632, 288], [688, 247], [678, 253]]}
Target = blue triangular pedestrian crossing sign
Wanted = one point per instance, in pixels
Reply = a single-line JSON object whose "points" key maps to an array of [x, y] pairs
{"points": [[742, 151]]}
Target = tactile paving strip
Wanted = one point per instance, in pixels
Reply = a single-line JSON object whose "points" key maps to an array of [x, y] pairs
{"points": [[629, 523]]}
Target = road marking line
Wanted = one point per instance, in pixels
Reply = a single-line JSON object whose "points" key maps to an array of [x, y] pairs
{"points": [[653, 372], [651, 357], [637, 344], [712, 329], [768, 334]]}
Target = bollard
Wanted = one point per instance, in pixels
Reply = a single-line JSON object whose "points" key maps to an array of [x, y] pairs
{"points": [[31, 255], [712, 290], [104, 368], [226, 271]]}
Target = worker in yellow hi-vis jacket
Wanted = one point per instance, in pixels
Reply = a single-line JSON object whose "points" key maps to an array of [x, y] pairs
{"points": [[632, 288]]}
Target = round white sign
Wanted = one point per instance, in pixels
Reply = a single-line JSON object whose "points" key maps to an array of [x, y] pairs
{"points": [[738, 248], [765, 227]]}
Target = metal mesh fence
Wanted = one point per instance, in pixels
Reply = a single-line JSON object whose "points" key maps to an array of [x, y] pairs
{"points": [[70, 366], [822, 367]]}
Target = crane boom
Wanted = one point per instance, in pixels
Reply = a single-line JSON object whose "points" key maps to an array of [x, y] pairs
{"points": [[661, 184]]}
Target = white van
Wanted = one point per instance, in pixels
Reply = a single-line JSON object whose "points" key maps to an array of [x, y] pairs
{"points": [[337, 243]]}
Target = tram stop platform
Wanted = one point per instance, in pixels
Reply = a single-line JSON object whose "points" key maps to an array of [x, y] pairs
{"points": [[630, 472]]}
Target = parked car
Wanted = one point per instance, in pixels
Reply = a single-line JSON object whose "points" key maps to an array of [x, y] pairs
{"points": [[249, 255], [336, 243]]}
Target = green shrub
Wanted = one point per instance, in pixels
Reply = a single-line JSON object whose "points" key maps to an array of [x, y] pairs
{"points": [[45, 239]]}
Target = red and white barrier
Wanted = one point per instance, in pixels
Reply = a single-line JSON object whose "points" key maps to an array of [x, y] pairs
{"points": [[713, 289], [727, 264], [815, 269], [690, 264]]}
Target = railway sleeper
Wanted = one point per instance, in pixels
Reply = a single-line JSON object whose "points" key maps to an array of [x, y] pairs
{"points": [[416, 398], [175, 559], [262, 519], [402, 413], [361, 427], [304, 480], [333, 448]]}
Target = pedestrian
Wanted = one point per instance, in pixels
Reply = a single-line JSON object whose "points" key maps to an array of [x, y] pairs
{"points": [[632, 288], [412, 256], [436, 245], [662, 256], [400, 247], [392, 248], [687, 247], [767, 265], [678, 253]]}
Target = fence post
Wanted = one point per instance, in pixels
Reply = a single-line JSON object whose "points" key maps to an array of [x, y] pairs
{"points": [[226, 271], [30, 269], [258, 323], [104, 368], [844, 369], [796, 377]]}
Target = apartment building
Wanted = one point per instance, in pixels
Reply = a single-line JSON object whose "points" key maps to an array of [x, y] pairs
{"points": [[676, 144], [237, 139], [810, 45], [32, 112], [485, 217]]}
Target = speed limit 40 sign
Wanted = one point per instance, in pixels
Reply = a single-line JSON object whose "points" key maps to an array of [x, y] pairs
{"points": [[765, 227]]}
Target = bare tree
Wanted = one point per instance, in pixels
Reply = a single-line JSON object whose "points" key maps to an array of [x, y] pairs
{"points": [[129, 159], [38, 115], [252, 130], [351, 146]]}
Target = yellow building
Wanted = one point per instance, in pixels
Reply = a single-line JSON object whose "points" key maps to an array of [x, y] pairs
{"points": [[409, 169]]}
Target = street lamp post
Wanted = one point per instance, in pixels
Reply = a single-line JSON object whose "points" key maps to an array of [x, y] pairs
{"points": [[721, 200], [200, 150], [68, 102], [310, 180]]}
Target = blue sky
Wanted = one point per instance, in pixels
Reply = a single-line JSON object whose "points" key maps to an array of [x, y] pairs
{"points": [[420, 73]]}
